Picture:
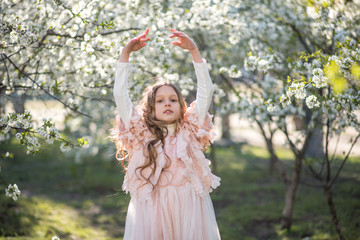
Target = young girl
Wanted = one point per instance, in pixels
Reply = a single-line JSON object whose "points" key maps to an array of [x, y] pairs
{"points": [[167, 175]]}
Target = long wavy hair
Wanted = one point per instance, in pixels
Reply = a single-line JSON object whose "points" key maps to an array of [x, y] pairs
{"points": [[156, 127]]}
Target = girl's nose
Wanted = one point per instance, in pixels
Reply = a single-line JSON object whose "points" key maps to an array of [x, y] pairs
{"points": [[167, 103]]}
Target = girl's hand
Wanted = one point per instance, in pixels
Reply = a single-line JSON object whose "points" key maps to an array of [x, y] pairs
{"points": [[137, 42], [184, 42], [134, 45]]}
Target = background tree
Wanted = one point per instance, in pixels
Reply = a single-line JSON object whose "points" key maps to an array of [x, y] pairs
{"points": [[283, 36]]}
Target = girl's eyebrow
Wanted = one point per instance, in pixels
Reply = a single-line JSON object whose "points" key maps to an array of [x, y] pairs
{"points": [[172, 95]]}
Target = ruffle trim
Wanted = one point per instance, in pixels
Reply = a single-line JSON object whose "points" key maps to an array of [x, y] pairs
{"points": [[197, 169], [135, 134], [203, 131], [193, 137]]}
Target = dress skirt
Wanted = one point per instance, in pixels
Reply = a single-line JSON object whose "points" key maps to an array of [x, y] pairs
{"points": [[173, 213]]}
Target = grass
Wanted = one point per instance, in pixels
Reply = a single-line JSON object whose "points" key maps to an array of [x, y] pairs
{"points": [[82, 199]]}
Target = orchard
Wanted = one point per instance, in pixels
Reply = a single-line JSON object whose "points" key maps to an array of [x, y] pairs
{"points": [[271, 62]]}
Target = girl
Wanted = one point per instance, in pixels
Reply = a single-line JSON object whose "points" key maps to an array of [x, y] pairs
{"points": [[167, 175]]}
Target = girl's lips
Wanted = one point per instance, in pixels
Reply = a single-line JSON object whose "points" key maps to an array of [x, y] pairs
{"points": [[168, 112]]}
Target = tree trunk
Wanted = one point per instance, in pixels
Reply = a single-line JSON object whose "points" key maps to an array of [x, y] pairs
{"points": [[335, 219], [292, 186], [275, 161], [18, 102], [212, 149], [315, 148], [212, 157], [225, 127], [2, 98]]}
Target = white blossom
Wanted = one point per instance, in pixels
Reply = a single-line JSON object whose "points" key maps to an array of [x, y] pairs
{"points": [[65, 147], [250, 63], [234, 72], [318, 71], [311, 101], [320, 81], [271, 107], [263, 65], [284, 100], [19, 136], [297, 89], [13, 192]]}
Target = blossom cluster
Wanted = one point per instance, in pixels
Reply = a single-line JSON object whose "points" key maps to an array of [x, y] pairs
{"points": [[65, 147], [62, 3], [13, 192], [319, 80], [48, 131], [311, 101], [297, 89], [233, 71], [252, 63], [27, 133], [16, 121], [18, 34]]}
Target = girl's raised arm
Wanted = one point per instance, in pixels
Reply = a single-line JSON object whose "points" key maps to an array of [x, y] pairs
{"points": [[205, 87], [121, 95]]}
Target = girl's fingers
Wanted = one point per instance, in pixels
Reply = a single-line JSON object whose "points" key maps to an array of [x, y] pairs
{"points": [[178, 34], [145, 33], [142, 35], [144, 39], [176, 43]]}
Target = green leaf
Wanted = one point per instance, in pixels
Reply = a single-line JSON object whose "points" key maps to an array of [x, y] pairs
{"points": [[81, 141]]}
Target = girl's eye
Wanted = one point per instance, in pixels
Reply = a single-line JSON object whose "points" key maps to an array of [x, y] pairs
{"points": [[159, 101], [173, 100]]}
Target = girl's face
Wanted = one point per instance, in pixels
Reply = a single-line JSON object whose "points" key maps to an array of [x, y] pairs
{"points": [[167, 106]]}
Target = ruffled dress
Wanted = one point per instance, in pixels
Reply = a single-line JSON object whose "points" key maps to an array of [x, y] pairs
{"points": [[176, 205]]}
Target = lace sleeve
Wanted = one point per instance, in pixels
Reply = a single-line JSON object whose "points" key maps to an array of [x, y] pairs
{"points": [[123, 102], [205, 90]]}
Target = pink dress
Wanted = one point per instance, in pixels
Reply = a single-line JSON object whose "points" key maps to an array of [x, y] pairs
{"points": [[176, 205]]}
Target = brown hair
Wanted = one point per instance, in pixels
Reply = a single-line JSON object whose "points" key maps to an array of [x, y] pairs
{"points": [[156, 127]]}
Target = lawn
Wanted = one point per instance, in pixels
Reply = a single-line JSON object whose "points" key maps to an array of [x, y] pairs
{"points": [[82, 199]]}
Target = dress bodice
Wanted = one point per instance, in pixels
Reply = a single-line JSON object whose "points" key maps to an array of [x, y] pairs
{"points": [[174, 174]]}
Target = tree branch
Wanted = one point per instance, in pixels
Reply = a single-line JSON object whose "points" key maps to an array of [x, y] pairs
{"points": [[46, 91], [344, 161], [292, 145]]}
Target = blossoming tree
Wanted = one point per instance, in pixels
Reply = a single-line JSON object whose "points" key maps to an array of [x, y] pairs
{"points": [[66, 51], [303, 65]]}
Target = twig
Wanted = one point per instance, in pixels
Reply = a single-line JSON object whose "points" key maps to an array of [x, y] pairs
{"points": [[46, 91], [344, 161]]}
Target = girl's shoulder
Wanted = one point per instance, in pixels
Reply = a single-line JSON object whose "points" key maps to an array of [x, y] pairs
{"points": [[133, 133], [203, 131], [191, 117]]}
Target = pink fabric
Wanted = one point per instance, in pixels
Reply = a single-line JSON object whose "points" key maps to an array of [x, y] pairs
{"points": [[174, 213], [177, 204]]}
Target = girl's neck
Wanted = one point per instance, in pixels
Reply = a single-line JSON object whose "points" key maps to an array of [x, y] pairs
{"points": [[171, 128]]}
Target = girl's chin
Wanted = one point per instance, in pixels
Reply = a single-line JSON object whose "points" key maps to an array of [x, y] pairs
{"points": [[168, 121]]}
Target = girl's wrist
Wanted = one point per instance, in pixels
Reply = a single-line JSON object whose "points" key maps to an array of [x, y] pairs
{"points": [[196, 55], [125, 55], [194, 50]]}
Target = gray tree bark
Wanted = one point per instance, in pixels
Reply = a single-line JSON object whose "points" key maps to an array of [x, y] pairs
{"points": [[18, 101]]}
